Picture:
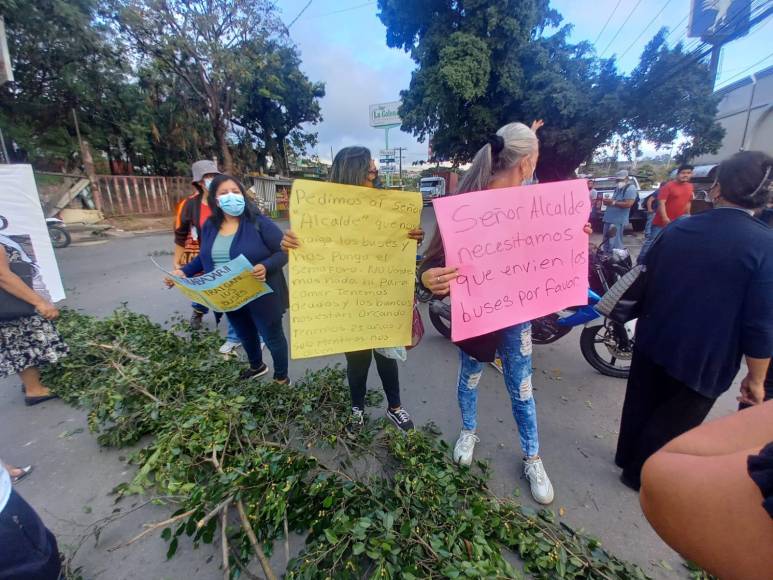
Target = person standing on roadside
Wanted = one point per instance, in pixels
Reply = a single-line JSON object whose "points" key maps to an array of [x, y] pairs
{"points": [[236, 227], [707, 304], [192, 213], [673, 201], [31, 341], [618, 210], [507, 160], [355, 166]]}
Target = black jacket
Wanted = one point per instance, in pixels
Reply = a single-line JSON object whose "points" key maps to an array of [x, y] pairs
{"points": [[709, 298]]}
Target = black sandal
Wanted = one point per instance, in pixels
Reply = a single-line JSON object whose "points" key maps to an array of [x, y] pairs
{"points": [[25, 471], [30, 401]]}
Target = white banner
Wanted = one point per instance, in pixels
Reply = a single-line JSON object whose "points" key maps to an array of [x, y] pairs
{"points": [[22, 220]]}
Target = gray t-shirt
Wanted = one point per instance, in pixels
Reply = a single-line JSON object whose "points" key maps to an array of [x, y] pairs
{"points": [[619, 215]]}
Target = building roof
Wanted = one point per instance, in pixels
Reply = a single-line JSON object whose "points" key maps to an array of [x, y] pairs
{"points": [[744, 81]]}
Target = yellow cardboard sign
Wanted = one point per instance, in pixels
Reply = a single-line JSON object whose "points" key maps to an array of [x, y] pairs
{"points": [[226, 288], [352, 279]]}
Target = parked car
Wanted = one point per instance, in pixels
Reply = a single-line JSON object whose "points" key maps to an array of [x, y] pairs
{"points": [[605, 187]]}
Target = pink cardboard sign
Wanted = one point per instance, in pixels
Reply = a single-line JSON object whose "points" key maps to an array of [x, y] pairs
{"points": [[521, 253]]}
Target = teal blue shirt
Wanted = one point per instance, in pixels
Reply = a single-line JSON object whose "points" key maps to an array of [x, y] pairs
{"points": [[221, 249]]}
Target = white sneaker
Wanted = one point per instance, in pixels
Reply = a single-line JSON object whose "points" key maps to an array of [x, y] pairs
{"points": [[464, 447], [541, 488], [228, 347]]}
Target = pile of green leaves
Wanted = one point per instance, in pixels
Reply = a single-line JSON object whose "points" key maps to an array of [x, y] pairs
{"points": [[382, 505]]}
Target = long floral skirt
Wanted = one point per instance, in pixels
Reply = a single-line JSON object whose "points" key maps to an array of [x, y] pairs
{"points": [[30, 341]]}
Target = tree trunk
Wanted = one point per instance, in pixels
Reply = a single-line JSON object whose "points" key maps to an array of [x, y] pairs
{"points": [[226, 160], [279, 155]]}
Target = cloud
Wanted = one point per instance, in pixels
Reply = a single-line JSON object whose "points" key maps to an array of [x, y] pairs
{"points": [[350, 87], [348, 53]]}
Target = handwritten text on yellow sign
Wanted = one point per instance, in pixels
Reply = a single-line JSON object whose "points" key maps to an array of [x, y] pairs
{"points": [[352, 279]]}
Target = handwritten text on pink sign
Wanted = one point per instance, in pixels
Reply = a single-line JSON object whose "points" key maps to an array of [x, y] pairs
{"points": [[521, 253]]}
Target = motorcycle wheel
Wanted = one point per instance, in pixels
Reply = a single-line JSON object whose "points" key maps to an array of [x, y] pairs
{"points": [[60, 237], [599, 346], [442, 325]]}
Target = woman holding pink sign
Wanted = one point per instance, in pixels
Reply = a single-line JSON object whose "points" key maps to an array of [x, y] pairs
{"points": [[507, 160]]}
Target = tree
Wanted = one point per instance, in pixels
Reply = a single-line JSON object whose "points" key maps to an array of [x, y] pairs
{"points": [[61, 63], [210, 44], [484, 63], [275, 103]]}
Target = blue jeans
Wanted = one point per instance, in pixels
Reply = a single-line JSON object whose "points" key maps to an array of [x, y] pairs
{"points": [[648, 225], [231, 335], [616, 241], [648, 241], [249, 327], [515, 351]]}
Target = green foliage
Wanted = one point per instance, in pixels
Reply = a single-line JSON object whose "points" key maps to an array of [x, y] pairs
{"points": [[482, 64], [275, 103], [282, 451], [56, 57], [156, 84]]}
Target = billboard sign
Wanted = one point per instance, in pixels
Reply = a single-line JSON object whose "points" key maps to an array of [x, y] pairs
{"points": [[385, 114], [719, 20]]}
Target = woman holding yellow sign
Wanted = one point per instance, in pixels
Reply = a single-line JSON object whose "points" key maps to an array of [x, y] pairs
{"points": [[354, 166], [236, 227]]}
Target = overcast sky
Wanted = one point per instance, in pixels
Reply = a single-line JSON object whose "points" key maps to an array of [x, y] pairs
{"points": [[343, 43]]}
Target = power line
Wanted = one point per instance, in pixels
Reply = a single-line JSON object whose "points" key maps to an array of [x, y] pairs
{"points": [[358, 6], [294, 20], [646, 28], [603, 28], [743, 72], [619, 30]]}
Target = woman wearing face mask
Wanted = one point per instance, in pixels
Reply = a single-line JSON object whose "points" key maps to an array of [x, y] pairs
{"points": [[708, 303], [508, 160], [192, 214], [354, 166], [237, 227]]}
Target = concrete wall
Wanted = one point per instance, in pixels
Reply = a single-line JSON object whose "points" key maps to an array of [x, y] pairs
{"points": [[735, 114]]}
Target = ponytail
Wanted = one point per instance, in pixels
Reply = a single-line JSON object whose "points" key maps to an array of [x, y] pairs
{"points": [[504, 150]]}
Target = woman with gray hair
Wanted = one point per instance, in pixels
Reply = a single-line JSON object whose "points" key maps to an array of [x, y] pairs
{"points": [[507, 160], [355, 166]]}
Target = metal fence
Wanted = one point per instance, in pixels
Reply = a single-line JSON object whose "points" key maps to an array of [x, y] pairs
{"points": [[136, 194]]}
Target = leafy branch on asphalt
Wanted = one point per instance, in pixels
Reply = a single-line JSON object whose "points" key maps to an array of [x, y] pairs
{"points": [[250, 462]]}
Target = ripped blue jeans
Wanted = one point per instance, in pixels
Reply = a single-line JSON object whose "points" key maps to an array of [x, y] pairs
{"points": [[515, 351]]}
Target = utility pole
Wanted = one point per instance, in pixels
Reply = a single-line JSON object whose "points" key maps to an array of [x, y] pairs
{"points": [[400, 153], [88, 164]]}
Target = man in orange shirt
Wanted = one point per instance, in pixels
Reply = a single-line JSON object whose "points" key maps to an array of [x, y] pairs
{"points": [[673, 201]]}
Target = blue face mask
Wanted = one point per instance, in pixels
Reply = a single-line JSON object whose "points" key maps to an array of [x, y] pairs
{"points": [[232, 203]]}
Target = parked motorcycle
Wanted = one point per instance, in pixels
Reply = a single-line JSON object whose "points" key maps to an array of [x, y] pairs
{"points": [[606, 345], [57, 230]]}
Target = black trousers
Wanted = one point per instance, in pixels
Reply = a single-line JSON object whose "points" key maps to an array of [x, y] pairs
{"points": [[657, 409], [28, 551], [357, 367]]}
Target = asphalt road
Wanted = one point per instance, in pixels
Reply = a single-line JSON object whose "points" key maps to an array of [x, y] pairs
{"points": [[578, 411]]}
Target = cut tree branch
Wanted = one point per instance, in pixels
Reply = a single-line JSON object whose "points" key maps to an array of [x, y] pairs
{"points": [[264, 563]]}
